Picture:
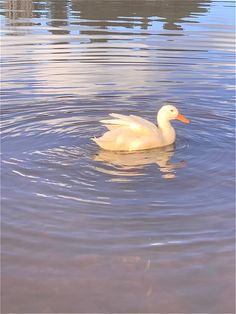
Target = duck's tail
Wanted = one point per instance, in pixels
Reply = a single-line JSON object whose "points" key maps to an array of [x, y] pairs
{"points": [[105, 144]]}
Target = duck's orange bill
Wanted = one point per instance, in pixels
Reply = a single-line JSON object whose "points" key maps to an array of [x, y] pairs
{"points": [[182, 118]]}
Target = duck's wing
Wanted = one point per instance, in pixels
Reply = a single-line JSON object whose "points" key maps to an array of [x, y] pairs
{"points": [[149, 125], [134, 123]]}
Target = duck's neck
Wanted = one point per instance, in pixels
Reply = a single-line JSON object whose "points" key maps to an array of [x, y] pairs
{"points": [[167, 131], [163, 122]]}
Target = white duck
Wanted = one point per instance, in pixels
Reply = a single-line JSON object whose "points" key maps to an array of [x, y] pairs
{"points": [[132, 133]]}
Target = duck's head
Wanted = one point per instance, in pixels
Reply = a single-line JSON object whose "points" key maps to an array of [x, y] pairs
{"points": [[170, 112]]}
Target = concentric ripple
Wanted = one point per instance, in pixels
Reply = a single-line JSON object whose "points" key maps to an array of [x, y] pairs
{"points": [[79, 222]]}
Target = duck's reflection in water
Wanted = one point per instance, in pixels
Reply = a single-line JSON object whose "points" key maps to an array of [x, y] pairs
{"points": [[137, 160]]}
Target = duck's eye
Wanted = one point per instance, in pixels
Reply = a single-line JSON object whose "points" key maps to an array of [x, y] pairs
{"points": [[172, 110]]}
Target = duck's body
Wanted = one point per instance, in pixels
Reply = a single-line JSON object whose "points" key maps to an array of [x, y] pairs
{"points": [[132, 133]]}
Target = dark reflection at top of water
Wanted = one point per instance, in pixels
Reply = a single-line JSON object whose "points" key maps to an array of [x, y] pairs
{"points": [[128, 14]]}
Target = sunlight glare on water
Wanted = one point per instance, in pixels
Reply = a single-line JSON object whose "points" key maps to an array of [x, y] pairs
{"points": [[91, 231]]}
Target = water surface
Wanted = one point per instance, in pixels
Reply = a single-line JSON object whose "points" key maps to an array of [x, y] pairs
{"points": [[91, 231]]}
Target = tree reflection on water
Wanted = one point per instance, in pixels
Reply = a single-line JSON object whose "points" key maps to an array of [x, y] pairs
{"points": [[170, 12]]}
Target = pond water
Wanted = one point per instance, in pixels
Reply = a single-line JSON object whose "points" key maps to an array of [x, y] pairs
{"points": [[90, 231]]}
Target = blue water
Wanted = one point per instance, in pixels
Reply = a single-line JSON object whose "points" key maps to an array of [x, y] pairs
{"points": [[92, 231]]}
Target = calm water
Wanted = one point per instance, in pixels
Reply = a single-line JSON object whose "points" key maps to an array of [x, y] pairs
{"points": [[85, 230]]}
